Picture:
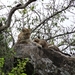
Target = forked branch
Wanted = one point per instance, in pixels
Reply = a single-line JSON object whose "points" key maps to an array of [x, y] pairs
{"points": [[19, 6]]}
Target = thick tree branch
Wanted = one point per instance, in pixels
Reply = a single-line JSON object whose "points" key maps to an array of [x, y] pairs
{"points": [[58, 58], [19, 6]]}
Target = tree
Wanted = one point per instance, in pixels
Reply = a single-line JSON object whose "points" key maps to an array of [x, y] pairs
{"points": [[45, 21], [48, 19]]}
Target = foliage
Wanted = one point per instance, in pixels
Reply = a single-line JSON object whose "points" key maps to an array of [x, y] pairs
{"points": [[1, 66], [18, 70], [6, 55], [3, 46]]}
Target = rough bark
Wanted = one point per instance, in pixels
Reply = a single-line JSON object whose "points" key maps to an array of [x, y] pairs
{"points": [[58, 58], [47, 61]]}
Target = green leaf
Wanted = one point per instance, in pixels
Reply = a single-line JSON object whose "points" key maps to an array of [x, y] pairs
{"points": [[55, 24], [32, 8], [23, 74], [3, 18], [10, 74], [24, 11], [1, 62], [62, 19], [8, 6]]}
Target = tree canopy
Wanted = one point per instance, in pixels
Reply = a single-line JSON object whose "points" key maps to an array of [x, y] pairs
{"points": [[49, 20]]}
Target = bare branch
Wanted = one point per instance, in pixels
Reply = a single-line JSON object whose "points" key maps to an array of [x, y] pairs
{"points": [[54, 14], [49, 18], [19, 6], [61, 35]]}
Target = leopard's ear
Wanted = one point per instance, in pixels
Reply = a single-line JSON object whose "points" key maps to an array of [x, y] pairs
{"points": [[23, 29], [36, 40], [26, 30], [30, 29]]}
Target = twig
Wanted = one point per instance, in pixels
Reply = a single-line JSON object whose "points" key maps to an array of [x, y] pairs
{"points": [[54, 14]]}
